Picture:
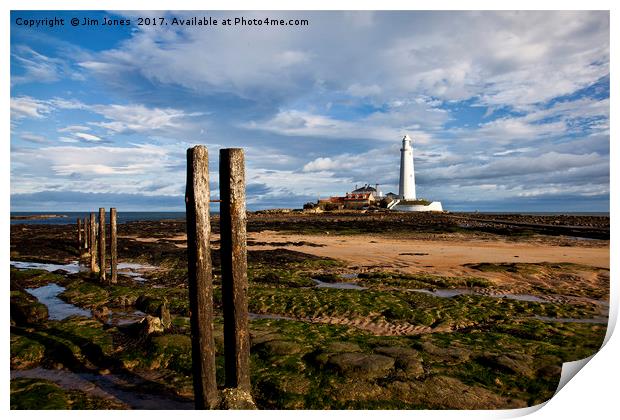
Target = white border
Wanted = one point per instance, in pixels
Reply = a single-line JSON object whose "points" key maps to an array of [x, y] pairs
{"points": [[591, 395]]}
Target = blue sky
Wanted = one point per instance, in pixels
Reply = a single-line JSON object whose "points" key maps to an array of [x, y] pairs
{"points": [[509, 111]]}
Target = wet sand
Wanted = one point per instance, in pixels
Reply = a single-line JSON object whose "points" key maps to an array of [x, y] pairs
{"points": [[410, 255], [448, 256], [444, 257]]}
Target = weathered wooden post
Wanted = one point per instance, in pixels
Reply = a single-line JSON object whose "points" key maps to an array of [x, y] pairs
{"points": [[85, 235], [102, 245], [113, 256], [234, 269], [79, 229], [93, 244], [200, 277]]}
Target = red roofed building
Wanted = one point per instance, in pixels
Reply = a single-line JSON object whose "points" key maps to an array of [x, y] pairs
{"points": [[356, 199]]}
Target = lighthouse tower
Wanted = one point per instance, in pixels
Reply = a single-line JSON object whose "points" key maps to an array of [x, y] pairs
{"points": [[406, 186], [407, 200]]}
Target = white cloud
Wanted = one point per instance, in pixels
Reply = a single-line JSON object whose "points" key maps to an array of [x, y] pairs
{"points": [[417, 118], [363, 90], [513, 151], [28, 107], [242, 61], [87, 137], [130, 118], [500, 58], [587, 190], [62, 103], [571, 110], [512, 166], [291, 58], [37, 67], [35, 138], [98, 169], [73, 128], [146, 169], [377, 166], [300, 123], [364, 162], [64, 139], [322, 164], [127, 118], [137, 118], [507, 130], [283, 182]]}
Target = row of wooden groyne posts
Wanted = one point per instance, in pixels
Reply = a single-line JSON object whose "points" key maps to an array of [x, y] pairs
{"points": [[233, 240], [92, 243]]}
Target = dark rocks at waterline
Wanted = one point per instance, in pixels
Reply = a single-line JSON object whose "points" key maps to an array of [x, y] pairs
{"points": [[156, 307], [102, 313], [124, 301], [151, 305], [144, 328], [151, 324], [26, 309], [327, 277], [163, 313]]}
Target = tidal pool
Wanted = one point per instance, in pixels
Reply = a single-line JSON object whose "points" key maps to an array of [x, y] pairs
{"points": [[57, 308], [73, 267], [119, 387], [351, 286], [125, 268], [448, 293]]}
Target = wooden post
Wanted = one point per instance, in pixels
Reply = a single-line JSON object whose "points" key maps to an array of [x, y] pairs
{"points": [[234, 269], [102, 245], [113, 256], [85, 235], [79, 229], [93, 244], [200, 277]]}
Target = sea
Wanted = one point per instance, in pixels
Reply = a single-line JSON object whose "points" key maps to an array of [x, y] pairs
{"points": [[540, 213], [69, 217]]}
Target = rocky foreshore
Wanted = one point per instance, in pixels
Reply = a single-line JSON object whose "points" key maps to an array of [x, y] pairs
{"points": [[330, 327]]}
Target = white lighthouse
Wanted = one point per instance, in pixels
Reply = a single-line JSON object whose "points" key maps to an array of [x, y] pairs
{"points": [[406, 186], [407, 200]]}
